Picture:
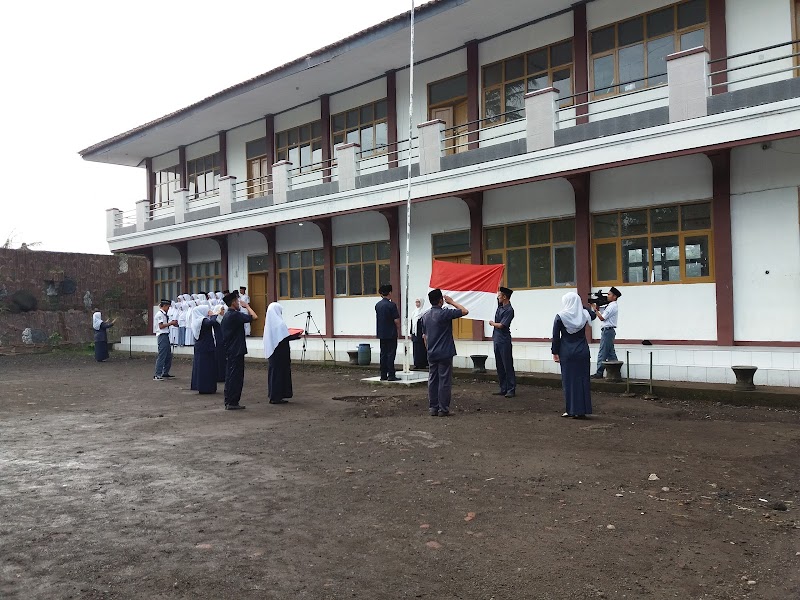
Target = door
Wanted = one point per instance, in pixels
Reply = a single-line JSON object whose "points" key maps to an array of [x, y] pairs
{"points": [[454, 116], [257, 288], [462, 328]]}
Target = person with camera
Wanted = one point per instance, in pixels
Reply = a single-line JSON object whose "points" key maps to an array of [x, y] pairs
{"points": [[608, 330]]}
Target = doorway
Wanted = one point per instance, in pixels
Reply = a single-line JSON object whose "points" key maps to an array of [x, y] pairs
{"points": [[447, 100], [257, 288]]}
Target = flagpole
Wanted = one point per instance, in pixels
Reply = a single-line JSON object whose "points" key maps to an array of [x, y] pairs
{"points": [[408, 192]]}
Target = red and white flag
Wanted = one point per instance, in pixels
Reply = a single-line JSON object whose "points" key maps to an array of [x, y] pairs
{"points": [[473, 286]]}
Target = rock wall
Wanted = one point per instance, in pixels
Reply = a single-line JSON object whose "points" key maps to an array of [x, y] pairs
{"points": [[47, 298]]}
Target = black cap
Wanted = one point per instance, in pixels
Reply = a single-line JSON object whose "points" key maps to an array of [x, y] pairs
{"points": [[163, 302], [616, 292], [385, 289], [242, 287], [229, 298], [506, 291]]}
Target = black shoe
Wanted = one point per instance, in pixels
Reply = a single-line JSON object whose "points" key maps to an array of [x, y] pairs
{"points": [[500, 393], [279, 402], [580, 417], [168, 376], [158, 378], [444, 413], [234, 407], [383, 378], [393, 378], [434, 413], [597, 376], [510, 394]]}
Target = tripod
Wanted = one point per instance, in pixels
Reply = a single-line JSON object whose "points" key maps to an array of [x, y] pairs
{"points": [[309, 321]]}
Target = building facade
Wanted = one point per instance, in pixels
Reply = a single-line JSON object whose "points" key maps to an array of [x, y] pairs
{"points": [[652, 146]]}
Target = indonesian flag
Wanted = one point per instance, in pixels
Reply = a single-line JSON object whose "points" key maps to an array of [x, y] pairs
{"points": [[473, 286]]}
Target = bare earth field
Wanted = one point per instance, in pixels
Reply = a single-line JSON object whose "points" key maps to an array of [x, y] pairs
{"points": [[116, 486]]}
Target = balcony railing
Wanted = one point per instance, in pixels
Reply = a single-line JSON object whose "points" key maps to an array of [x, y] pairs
{"points": [[546, 120]]}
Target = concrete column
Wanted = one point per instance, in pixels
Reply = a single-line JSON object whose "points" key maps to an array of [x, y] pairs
{"points": [[687, 74], [280, 181], [325, 119], [475, 204], [226, 193], [723, 262], [391, 116], [113, 221], [583, 251], [222, 242], [325, 226], [580, 52], [473, 94], [718, 40], [540, 114], [180, 198], [430, 146], [142, 210], [347, 163]]}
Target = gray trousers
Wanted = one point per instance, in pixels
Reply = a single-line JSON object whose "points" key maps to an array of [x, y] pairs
{"points": [[440, 384], [607, 351], [164, 360]]}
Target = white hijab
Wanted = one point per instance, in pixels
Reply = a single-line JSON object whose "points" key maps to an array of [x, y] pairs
{"points": [[198, 314], [97, 319], [418, 312], [574, 316], [275, 330]]}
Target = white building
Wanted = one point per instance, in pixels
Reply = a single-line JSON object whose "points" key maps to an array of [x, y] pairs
{"points": [[650, 145]]}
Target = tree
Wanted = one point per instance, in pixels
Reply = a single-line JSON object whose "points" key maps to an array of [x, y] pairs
{"points": [[9, 243]]}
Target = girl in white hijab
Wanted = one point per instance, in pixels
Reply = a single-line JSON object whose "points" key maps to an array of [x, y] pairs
{"points": [[420, 353], [204, 364], [189, 339], [100, 336], [571, 350], [276, 350]]}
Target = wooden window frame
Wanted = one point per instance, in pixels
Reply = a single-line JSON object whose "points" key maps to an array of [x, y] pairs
{"points": [[202, 166], [676, 33], [795, 32], [339, 136], [501, 86], [680, 233], [552, 245], [264, 187], [450, 101], [285, 269], [376, 263], [283, 147], [161, 284], [167, 187], [199, 283]]}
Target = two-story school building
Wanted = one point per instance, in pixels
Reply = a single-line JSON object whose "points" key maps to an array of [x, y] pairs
{"points": [[650, 145]]}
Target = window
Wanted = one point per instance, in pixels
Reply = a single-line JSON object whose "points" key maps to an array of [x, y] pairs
{"points": [[536, 254], [258, 263], [451, 243], [301, 146], [301, 274], [505, 83], [632, 54], [366, 125], [360, 269], [167, 182], [203, 175], [166, 283], [257, 168], [205, 277], [653, 245]]}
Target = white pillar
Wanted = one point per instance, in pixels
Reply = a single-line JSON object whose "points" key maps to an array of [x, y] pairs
{"points": [[226, 193], [179, 198], [430, 146], [280, 181], [113, 221], [347, 163], [541, 110], [142, 208], [687, 75]]}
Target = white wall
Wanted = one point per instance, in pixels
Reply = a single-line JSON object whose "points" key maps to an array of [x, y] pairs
{"points": [[240, 246], [356, 316], [202, 148], [528, 202], [765, 232], [360, 227], [170, 159], [202, 251], [358, 96], [237, 147], [297, 116], [295, 236], [652, 184], [166, 256], [293, 307]]}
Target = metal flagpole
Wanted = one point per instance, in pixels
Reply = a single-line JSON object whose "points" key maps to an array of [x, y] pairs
{"points": [[408, 191]]}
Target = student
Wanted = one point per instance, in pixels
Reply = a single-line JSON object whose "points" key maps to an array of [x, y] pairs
{"points": [[174, 331], [608, 331], [276, 350], [161, 329], [243, 297], [501, 339], [571, 351], [418, 346], [100, 336], [387, 320], [204, 365], [235, 348]]}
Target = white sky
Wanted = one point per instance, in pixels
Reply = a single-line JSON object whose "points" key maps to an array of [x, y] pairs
{"points": [[76, 73]]}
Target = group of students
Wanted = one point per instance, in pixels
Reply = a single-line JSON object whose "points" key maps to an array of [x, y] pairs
{"points": [[182, 308]]}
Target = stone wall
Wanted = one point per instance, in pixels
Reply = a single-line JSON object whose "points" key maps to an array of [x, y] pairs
{"points": [[47, 298]]}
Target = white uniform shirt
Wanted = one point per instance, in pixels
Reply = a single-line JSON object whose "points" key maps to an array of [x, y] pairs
{"points": [[246, 299], [610, 315], [161, 317]]}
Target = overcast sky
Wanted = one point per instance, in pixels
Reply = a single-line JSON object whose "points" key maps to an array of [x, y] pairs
{"points": [[76, 73]]}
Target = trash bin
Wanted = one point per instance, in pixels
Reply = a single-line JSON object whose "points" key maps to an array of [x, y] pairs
{"points": [[364, 354]]}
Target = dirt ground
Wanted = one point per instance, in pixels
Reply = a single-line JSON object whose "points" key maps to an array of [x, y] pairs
{"points": [[116, 486]]}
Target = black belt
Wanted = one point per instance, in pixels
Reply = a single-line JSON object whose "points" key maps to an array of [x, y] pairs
{"points": [[603, 328]]}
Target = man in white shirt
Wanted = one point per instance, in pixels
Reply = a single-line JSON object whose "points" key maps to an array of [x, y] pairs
{"points": [[608, 331], [161, 325], [243, 297]]}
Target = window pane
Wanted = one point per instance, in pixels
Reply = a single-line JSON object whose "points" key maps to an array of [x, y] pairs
{"points": [[561, 54], [494, 238], [634, 222], [319, 258], [283, 284], [603, 69], [491, 103], [292, 137], [283, 260], [305, 133], [564, 230], [316, 129], [340, 255], [306, 258], [294, 156], [564, 262], [441, 91], [367, 139], [294, 283], [308, 283], [540, 267], [630, 32], [383, 251], [455, 242], [369, 278], [319, 282], [634, 260], [368, 252], [693, 39], [696, 216], [305, 156], [607, 262], [539, 233], [691, 13], [354, 254], [294, 260], [664, 219], [354, 278], [666, 258], [367, 114], [657, 52], [515, 99], [605, 226], [494, 259], [517, 268], [341, 281], [352, 137], [380, 110], [631, 67], [539, 82], [352, 118], [515, 68], [381, 136], [537, 61], [338, 123], [661, 22], [383, 274], [602, 40], [515, 236], [696, 249], [562, 81], [492, 75]]}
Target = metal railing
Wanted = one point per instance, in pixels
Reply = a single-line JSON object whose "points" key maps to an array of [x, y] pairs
{"points": [[627, 105], [125, 219], [160, 212], [203, 200], [252, 188], [324, 166], [786, 56], [461, 133]]}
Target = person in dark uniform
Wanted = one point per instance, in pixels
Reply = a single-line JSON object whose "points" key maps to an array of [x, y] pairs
{"points": [[501, 339], [235, 348], [387, 319], [204, 364], [571, 350], [100, 336]]}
